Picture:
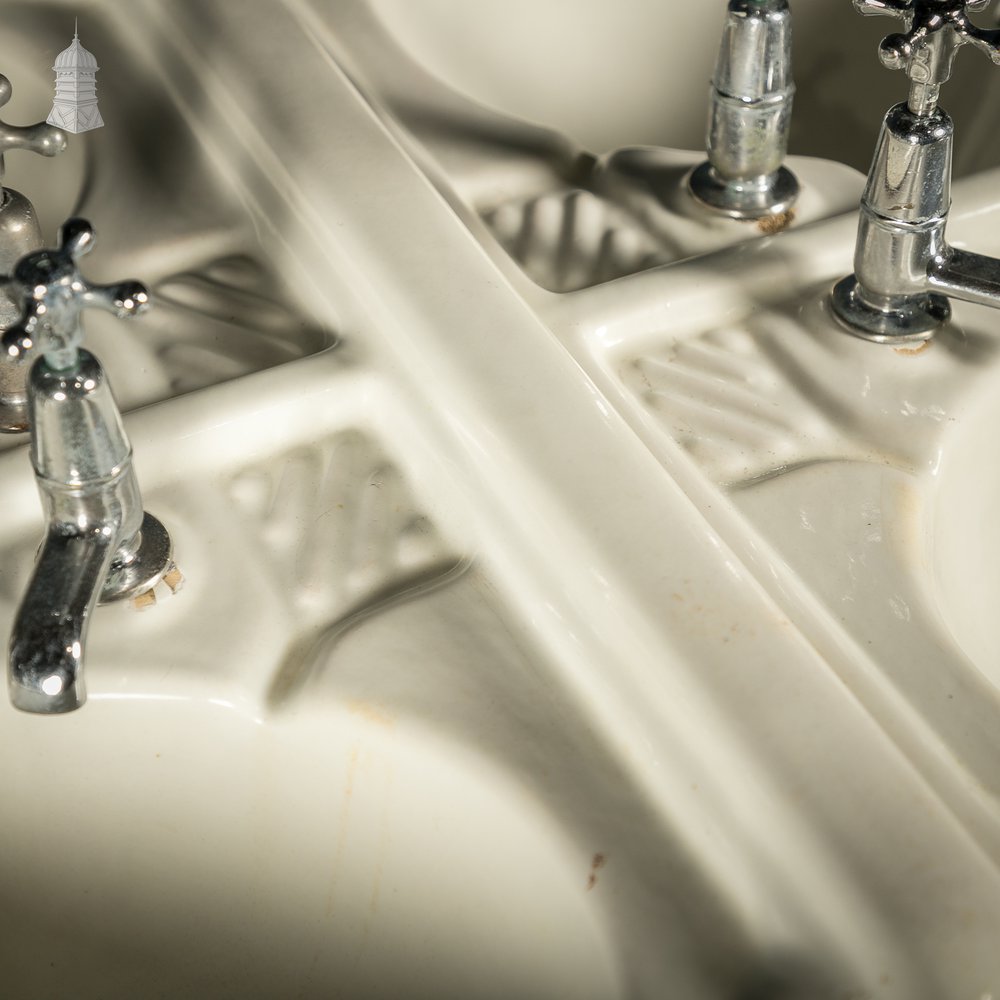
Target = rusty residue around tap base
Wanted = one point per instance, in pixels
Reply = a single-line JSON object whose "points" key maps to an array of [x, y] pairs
{"points": [[913, 351], [597, 863], [771, 225], [173, 579]]}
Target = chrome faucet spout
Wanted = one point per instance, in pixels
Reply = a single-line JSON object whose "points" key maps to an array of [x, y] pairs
{"points": [[904, 270], [50, 631], [83, 467], [971, 277], [99, 546], [744, 176]]}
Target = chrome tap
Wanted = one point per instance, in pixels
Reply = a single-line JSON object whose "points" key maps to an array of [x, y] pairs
{"points": [[751, 106], [19, 232], [99, 545], [904, 269], [19, 235]]}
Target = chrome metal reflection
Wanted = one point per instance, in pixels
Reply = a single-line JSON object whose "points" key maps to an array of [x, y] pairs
{"points": [[904, 270], [99, 545], [19, 235], [749, 116]]}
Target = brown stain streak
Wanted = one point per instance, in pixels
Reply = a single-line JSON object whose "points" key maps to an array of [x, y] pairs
{"points": [[342, 828], [770, 225], [371, 713], [597, 863], [914, 351]]}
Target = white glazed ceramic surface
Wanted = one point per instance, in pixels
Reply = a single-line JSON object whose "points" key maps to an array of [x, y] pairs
{"points": [[571, 609]]}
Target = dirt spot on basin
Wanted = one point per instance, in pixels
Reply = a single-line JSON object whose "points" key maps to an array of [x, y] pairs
{"points": [[773, 224], [371, 712], [913, 351], [597, 863]]}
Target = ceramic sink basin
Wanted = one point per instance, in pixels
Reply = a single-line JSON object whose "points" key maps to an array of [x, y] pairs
{"points": [[857, 479], [582, 181], [368, 747], [963, 542], [265, 804], [636, 73], [860, 473], [579, 621], [559, 201]]}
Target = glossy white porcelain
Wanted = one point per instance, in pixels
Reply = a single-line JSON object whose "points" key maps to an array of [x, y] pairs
{"points": [[281, 782], [629, 640], [568, 208]]}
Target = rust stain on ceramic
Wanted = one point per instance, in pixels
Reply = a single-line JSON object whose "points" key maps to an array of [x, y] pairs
{"points": [[371, 713], [343, 826], [770, 225], [144, 600], [597, 863], [907, 526], [914, 351]]}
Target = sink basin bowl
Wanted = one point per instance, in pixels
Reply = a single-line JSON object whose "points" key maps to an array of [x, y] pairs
{"points": [[291, 803], [962, 545], [279, 859], [533, 643], [541, 185], [309, 769], [637, 72], [862, 470], [584, 182]]}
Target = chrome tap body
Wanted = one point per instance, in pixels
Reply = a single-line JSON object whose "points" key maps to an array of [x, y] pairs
{"points": [[749, 115], [19, 232], [90, 499], [98, 545], [19, 235], [904, 269]]}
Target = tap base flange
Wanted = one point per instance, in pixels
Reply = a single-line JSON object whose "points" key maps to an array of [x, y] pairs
{"points": [[773, 195], [150, 562], [14, 418], [909, 319]]}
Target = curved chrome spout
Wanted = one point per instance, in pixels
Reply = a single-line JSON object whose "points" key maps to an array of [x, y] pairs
{"points": [[50, 631], [100, 546], [904, 269]]}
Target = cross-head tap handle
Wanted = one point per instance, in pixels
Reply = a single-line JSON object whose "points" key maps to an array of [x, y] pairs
{"points": [[40, 138], [54, 295], [935, 31]]}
